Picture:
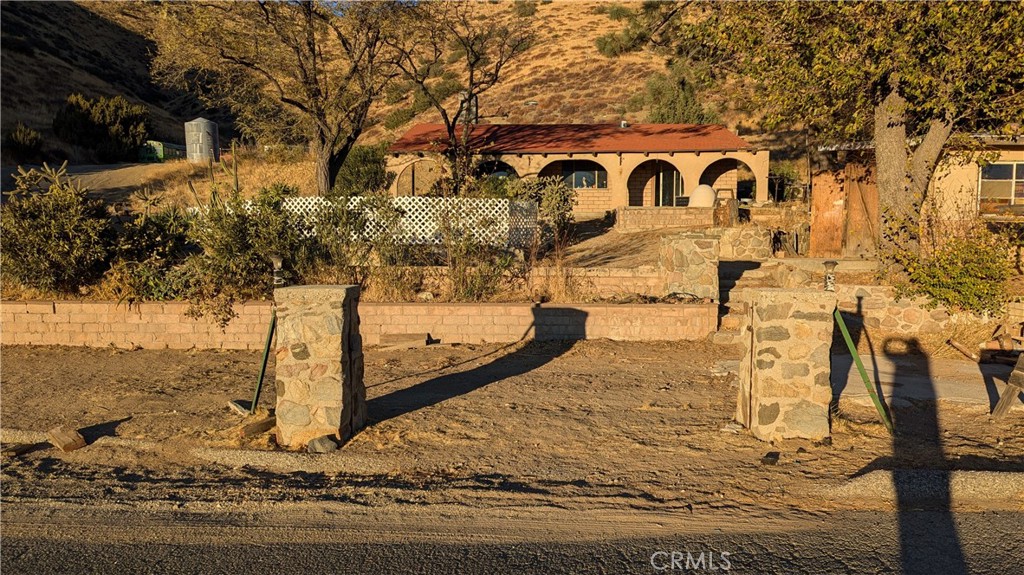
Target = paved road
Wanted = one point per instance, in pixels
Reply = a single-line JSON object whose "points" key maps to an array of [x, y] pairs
{"points": [[48, 538]]}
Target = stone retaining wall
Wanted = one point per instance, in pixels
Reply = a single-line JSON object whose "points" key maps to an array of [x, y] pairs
{"points": [[878, 309], [690, 264], [746, 243], [165, 325], [635, 219]]}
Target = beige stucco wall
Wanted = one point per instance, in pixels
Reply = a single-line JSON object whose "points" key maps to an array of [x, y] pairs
{"points": [[953, 195], [691, 166]]}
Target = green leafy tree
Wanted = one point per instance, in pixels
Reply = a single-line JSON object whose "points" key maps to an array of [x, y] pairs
{"points": [[913, 77]]}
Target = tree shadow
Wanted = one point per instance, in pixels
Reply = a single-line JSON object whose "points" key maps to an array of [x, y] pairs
{"points": [[929, 542], [555, 331]]}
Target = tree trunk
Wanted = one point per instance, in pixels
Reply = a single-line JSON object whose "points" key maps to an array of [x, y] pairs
{"points": [[891, 159]]}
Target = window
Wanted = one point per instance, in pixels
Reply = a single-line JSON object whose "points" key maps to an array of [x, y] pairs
{"points": [[668, 187], [584, 174], [1001, 187]]}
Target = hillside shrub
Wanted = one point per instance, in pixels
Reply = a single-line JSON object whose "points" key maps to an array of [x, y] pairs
{"points": [[524, 8], [23, 144], [113, 128], [53, 234]]}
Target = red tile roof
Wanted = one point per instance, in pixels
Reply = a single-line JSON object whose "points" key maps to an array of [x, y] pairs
{"points": [[564, 138]]}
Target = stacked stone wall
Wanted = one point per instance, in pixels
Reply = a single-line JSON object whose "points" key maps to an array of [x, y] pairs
{"points": [[689, 263], [746, 243]]}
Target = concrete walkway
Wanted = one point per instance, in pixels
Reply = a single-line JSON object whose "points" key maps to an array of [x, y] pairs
{"points": [[909, 378]]}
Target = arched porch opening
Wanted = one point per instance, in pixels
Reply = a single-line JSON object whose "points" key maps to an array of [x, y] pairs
{"points": [[578, 174], [495, 168], [656, 183], [731, 178], [418, 178]]}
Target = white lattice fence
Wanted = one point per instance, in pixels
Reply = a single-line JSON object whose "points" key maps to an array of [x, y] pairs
{"points": [[497, 222]]}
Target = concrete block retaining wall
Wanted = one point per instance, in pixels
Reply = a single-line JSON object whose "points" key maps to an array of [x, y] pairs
{"points": [[165, 325], [608, 282], [635, 219]]}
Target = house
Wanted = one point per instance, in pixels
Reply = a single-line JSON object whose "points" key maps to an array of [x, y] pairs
{"points": [[844, 200], [612, 166]]}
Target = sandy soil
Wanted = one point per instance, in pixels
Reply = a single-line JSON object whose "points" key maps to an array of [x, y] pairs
{"points": [[590, 425]]}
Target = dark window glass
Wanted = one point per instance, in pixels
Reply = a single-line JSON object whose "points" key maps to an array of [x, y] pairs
{"points": [[997, 172], [1020, 171]]}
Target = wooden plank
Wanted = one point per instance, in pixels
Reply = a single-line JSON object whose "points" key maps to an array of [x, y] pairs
{"points": [[1013, 389], [258, 427], [827, 214], [862, 220]]}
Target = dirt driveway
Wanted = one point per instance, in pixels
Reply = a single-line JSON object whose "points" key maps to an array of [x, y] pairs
{"points": [[594, 424]]}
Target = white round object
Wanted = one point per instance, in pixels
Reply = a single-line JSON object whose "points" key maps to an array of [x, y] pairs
{"points": [[703, 197]]}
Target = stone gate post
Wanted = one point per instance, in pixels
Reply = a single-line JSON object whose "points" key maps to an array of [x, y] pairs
{"points": [[319, 371], [785, 374]]}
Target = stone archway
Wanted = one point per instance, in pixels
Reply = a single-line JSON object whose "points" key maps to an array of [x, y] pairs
{"points": [[730, 178], [418, 178], [655, 183]]}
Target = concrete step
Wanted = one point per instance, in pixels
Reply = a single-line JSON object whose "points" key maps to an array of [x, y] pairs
{"points": [[727, 337]]}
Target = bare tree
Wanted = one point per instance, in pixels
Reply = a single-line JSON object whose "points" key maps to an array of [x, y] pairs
{"points": [[449, 53], [308, 67]]}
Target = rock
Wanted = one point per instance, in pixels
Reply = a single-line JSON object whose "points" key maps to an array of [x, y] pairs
{"points": [[65, 439], [323, 444], [425, 296], [770, 458]]}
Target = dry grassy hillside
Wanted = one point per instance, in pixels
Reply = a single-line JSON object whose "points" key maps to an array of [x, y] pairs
{"points": [[562, 78], [51, 49]]}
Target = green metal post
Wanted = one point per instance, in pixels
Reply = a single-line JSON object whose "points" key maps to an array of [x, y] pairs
{"points": [[266, 357], [863, 372]]}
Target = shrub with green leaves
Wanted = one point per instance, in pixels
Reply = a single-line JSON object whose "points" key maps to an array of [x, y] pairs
{"points": [[555, 200], [53, 234], [967, 272], [113, 128], [237, 238], [364, 172], [148, 252]]}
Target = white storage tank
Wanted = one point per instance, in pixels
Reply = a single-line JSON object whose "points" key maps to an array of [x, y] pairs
{"points": [[201, 141]]}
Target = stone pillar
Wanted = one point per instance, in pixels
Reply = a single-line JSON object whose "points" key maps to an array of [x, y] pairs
{"points": [[319, 354], [689, 264], [785, 374]]}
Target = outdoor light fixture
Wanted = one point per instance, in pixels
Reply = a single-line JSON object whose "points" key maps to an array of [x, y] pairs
{"points": [[830, 275], [278, 262]]}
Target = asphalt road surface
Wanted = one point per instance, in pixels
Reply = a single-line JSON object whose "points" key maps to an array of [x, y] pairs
{"points": [[49, 537]]}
